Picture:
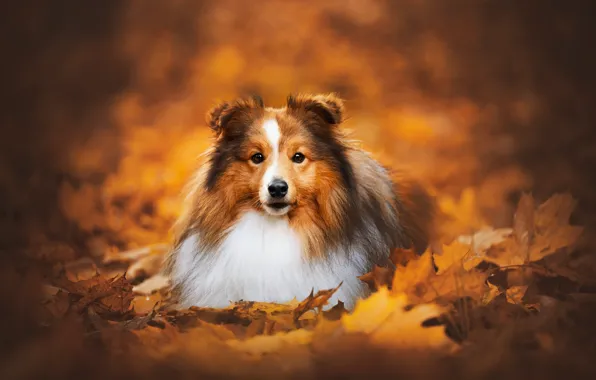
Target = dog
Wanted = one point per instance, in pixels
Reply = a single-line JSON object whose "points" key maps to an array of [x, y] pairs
{"points": [[284, 203]]}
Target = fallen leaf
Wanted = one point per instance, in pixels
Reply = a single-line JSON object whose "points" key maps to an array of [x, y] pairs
{"points": [[400, 256], [384, 318], [336, 312], [551, 232], [377, 278], [458, 254], [493, 292], [555, 239], [58, 306], [414, 274], [420, 282], [316, 301], [515, 294]]}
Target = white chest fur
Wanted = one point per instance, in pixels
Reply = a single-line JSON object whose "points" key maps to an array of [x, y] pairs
{"points": [[261, 260]]}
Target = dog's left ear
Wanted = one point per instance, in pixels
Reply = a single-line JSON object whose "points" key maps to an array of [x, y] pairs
{"points": [[329, 108]]}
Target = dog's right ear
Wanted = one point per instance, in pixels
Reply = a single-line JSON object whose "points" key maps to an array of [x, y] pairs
{"points": [[224, 115]]}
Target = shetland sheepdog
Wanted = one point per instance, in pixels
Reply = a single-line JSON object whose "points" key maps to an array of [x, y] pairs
{"points": [[284, 203]]}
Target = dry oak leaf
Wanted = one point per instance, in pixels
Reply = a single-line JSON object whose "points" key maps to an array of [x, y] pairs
{"points": [[383, 317], [422, 285]]}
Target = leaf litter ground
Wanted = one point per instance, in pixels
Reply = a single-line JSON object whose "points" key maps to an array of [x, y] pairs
{"points": [[492, 302]]}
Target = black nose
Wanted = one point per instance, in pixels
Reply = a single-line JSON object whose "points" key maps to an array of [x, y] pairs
{"points": [[278, 188]]}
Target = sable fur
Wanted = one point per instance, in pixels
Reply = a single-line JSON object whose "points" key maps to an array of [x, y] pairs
{"points": [[346, 213]]}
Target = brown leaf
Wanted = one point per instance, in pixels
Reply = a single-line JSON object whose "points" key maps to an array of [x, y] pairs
{"points": [[119, 296], [58, 306], [554, 211], [400, 256], [316, 301], [561, 237], [551, 232], [336, 312], [377, 278]]}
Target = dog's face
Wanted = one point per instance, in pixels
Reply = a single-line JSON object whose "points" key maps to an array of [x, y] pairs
{"points": [[277, 160]]}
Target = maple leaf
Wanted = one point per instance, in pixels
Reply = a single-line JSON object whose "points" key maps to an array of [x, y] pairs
{"points": [[106, 295], [384, 318], [400, 256], [316, 301], [377, 278], [515, 294], [492, 293], [548, 232], [336, 312], [420, 282], [458, 254]]}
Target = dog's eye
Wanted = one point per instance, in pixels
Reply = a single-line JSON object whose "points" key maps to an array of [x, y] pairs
{"points": [[257, 158], [298, 158]]}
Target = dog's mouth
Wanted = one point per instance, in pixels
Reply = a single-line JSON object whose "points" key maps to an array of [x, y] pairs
{"points": [[278, 208], [278, 205]]}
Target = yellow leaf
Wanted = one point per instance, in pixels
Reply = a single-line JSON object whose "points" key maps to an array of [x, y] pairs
{"points": [[383, 317], [414, 273], [458, 254], [420, 282], [493, 292], [515, 294]]}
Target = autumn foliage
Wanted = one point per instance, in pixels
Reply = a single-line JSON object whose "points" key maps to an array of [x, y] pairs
{"points": [[441, 304]]}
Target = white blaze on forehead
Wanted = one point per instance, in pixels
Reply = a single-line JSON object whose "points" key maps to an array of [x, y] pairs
{"points": [[272, 132]]}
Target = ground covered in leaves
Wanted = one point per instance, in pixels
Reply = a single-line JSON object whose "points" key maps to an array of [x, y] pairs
{"points": [[512, 302]]}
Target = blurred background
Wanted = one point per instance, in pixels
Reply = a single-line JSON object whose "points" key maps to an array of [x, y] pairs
{"points": [[104, 102]]}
